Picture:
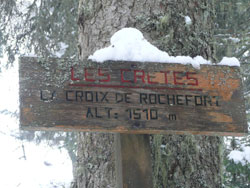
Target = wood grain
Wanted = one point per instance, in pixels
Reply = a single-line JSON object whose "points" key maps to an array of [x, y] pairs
{"points": [[130, 97], [133, 161]]}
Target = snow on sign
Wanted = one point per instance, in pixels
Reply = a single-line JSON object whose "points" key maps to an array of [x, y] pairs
{"points": [[130, 97]]}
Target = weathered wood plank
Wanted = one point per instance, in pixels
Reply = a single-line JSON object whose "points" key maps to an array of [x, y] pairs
{"points": [[133, 161], [130, 97]]}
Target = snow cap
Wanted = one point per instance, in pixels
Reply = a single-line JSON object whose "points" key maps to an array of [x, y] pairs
{"points": [[128, 44]]}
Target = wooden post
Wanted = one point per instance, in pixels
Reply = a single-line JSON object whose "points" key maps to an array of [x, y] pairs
{"points": [[133, 161]]}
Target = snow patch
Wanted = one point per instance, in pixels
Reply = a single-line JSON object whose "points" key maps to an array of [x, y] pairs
{"points": [[29, 54], [188, 20], [242, 157], [128, 44], [35, 165], [234, 39], [62, 49], [229, 61]]}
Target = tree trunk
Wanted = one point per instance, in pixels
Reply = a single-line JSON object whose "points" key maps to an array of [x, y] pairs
{"points": [[178, 161]]}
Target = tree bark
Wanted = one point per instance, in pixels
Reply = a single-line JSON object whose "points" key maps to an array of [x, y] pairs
{"points": [[178, 161]]}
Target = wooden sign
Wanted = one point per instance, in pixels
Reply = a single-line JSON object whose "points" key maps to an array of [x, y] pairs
{"points": [[130, 97]]}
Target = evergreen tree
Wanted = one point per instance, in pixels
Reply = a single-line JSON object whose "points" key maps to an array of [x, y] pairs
{"points": [[232, 34]]}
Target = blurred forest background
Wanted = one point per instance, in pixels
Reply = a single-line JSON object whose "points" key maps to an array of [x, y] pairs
{"points": [[49, 28]]}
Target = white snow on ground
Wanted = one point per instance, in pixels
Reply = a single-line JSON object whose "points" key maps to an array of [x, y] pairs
{"points": [[44, 166], [128, 44], [241, 156]]}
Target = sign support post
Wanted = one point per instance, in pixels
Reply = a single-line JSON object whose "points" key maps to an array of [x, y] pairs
{"points": [[133, 161]]}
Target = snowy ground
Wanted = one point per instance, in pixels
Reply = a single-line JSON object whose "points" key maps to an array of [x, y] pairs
{"points": [[42, 166]]}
